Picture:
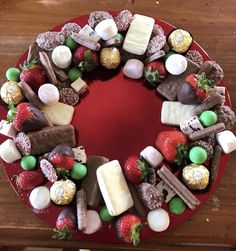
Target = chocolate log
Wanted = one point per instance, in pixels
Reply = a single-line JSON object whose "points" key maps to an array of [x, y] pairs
{"points": [[45, 140], [81, 206], [215, 162]]}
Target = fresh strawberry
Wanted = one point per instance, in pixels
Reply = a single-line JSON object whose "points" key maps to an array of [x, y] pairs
{"points": [[62, 158], [135, 170], [33, 74], [27, 118], [195, 89], [128, 227], [173, 145], [154, 73], [65, 224], [28, 180], [86, 59]]}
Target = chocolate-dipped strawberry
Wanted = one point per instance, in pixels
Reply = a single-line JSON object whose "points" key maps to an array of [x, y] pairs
{"points": [[27, 118], [194, 90]]}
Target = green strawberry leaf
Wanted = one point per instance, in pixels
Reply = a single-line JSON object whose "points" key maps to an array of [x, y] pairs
{"points": [[182, 154], [11, 113], [64, 234], [62, 173], [145, 168]]}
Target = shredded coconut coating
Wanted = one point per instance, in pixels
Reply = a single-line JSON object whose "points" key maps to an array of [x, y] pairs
{"points": [[23, 143], [69, 96], [123, 20], [155, 44], [97, 16], [68, 28], [50, 40], [48, 170], [195, 56]]}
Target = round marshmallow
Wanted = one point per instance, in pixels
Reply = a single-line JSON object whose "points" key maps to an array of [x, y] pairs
{"points": [[106, 29], [176, 64], [48, 94], [158, 220], [40, 198], [93, 222], [62, 57], [9, 151]]}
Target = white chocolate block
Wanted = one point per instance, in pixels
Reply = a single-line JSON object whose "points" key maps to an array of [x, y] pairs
{"points": [[80, 154], [59, 114], [227, 141], [138, 35], [106, 29], [80, 86], [89, 33], [173, 112], [114, 188], [191, 125], [9, 152], [152, 156], [7, 129]]}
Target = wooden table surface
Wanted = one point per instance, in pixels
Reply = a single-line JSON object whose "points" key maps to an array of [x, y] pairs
{"points": [[213, 24]]}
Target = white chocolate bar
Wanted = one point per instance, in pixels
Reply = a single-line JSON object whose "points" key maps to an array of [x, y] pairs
{"points": [[227, 141], [114, 188], [152, 156], [9, 152], [59, 113], [173, 112], [138, 35], [191, 125], [80, 86], [7, 129], [80, 154], [89, 33]]}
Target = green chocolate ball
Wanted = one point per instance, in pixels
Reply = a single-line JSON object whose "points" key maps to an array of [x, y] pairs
{"points": [[71, 43], [104, 215], [74, 73], [13, 74], [28, 162], [208, 118], [168, 54], [176, 205], [198, 155], [78, 171], [121, 38]]}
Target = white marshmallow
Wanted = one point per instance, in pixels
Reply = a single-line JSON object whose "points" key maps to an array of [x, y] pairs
{"points": [[89, 33], [152, 156], [133, 69], [158, 220], [7, 129], [62, 57], [106, 29], [40, 198], [93, 222], [9, 152], [48, 94], [176, 64], [191, 125], [227, 141]]}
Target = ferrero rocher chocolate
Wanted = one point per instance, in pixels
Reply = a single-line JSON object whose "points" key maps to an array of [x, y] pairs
{"points": [[195, 177], [110, 57], [180, 40], [62, 192], [11, 93]]}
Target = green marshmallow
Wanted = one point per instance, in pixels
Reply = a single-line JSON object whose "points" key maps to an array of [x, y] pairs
{"points": [[78, 171], [168, 54], [208, 118], [13, 74], [198, 155], [176, 205], [74, 73], [104, 215], [69, 42], [28, 162]]}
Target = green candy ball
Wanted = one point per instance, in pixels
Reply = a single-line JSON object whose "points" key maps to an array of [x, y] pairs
{"points": [[74, 73], [78, 171], [104, 215], [69, 42], [28, 162], [13, 74], [208, 118], [176, 205], [121, 38], [168, 54], [198, 155]]}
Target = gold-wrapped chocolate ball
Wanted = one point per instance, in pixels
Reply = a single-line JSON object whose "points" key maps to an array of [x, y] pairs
{"points": [[196, 177], [62, 192], [11, 93], [110, 57], [180, 40]]}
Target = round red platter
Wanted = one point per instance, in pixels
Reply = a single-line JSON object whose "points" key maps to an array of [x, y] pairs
{"points": [[117, 118]]}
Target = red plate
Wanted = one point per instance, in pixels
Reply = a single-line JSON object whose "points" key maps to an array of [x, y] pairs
{"points": [[117, 118]]}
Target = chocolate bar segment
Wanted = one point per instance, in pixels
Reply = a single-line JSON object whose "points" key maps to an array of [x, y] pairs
{"points": [[45, 140]]}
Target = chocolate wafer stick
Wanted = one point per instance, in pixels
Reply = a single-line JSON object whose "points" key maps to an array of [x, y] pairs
{"points": [[94, 46], [215, 161], [178, 187], [81, 205], [33, 52], [207, 131]]}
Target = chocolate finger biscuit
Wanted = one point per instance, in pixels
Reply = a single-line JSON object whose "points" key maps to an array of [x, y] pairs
{"points": [[215, 162]]}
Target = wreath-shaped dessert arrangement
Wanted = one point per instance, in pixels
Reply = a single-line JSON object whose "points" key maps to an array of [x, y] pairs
{"points": [[47, 147]]}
